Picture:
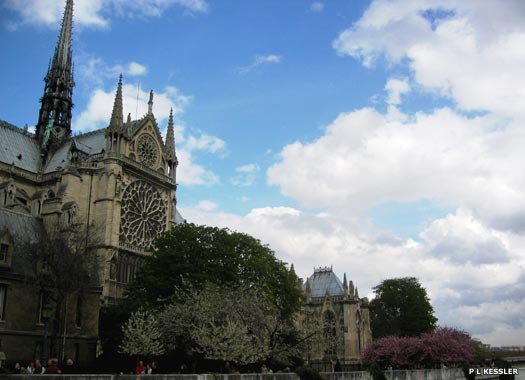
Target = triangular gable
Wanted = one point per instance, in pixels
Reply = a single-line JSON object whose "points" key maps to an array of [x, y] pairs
{"points": [[149, 125], [139, 125]]}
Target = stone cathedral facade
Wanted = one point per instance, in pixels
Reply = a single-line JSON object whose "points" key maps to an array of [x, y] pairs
{"points": [[120, 181], [337, 319]]}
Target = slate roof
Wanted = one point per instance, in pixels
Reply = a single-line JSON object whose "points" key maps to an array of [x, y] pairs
{"points": [[323, 280], [91, 142], [59, 159], [88, 143], [179, 219], [19, 146]]}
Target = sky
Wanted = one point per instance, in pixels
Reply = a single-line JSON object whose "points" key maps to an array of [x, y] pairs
{"points": [[383, 138]]}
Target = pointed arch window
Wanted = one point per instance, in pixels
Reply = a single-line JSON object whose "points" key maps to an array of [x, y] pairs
{"points": [[330, 333]]}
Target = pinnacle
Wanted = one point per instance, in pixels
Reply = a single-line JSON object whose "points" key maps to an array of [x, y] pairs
{"points": [[170, 140], [117, 121]]}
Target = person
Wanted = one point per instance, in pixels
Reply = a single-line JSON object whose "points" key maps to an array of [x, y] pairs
{"points": [[52, 368], [141, 368], [69, 366], [17, 369], [153, 368], [39, 370], [31, 368], [264, 369], [337, 367]]}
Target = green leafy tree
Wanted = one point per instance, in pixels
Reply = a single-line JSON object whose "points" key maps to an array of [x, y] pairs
{"points": [[401, 307], [192, 255], [142, 335]]}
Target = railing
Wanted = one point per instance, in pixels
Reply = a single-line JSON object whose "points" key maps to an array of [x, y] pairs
{"points": [[90, 163]]}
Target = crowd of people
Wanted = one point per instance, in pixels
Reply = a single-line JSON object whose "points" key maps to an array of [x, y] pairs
{"points": [[148, 369], [36, 368]]}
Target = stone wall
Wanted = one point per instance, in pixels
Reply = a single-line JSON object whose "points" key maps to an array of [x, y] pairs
{"points": [[426, 374]]}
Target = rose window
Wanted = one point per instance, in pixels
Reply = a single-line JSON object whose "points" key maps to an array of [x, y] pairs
{"points": [[148, 151], [143, 215]]}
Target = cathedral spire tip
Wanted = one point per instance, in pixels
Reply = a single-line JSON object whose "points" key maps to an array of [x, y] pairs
{"points": [[57, 101]]}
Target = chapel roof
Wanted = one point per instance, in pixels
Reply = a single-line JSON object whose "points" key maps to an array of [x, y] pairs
{"points": [[324, 281]]}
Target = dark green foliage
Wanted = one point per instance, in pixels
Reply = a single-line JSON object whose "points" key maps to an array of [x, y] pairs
{"points": [[308, 373], [190, 258], [376, 372], [110, 333], [190, 255], [401, 308]]}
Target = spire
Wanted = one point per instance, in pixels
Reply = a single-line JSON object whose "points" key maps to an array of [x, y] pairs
{"points": [[345, 285], [116, 132], [54, 121], [62, 57], [116, 125], [171, 156], [308, 289], [150, 103]]}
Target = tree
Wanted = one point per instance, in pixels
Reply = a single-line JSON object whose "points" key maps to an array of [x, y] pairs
{"points": [[445, 345], [188, 260], [142, 335], [228, 324], [61, 262], [193, 255], [401, 308]]}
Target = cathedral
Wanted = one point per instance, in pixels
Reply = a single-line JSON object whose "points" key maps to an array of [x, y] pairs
{"points": [[119, 181], [337, 318], [119, 185]]}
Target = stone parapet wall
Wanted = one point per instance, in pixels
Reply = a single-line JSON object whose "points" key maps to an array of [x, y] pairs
{"points": [[424, 374]]}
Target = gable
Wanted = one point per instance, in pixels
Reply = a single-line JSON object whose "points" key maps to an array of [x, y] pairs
{"points": [[146, 145]]}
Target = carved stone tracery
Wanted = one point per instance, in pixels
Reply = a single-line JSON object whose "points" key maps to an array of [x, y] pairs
{"points": [[148, 151], [143, 215]]}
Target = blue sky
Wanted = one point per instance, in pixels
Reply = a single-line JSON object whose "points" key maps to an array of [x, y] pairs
{"points": [[383, 137]]}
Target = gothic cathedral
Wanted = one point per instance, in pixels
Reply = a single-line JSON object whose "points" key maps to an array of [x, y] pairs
{"points": [[119, 181]]}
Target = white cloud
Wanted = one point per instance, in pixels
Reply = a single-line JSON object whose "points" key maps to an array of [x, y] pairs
{"points": [[461, 238], [95, 72], [206, 205], [207, 143], [136, 69], [189, 173], [246, 175], [468, 50], [317, 6], [258, 61], [366, 158], [98, 111], [482, 298], [395, 88], [50, 12], [94, 13]]}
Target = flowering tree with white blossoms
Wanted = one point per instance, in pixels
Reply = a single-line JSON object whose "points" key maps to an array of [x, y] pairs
{"points": [[142, 335]]}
